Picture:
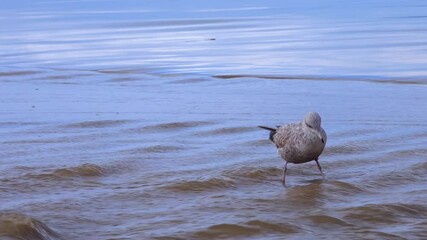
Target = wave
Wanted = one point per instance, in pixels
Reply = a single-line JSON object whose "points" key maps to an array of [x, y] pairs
{"points": [[177, 125], [124, 79], [411, 175], [18, 124], [201, 185], [327, 221], [250, 228], [160, 149], [344, 188], [257, 143], [273, 227], [188, 81], [409, 80], [17, 73], [226, 231], [253, 173], [227, 130], [97, 124], [419, 169], [346, 149], [84, 170], [15, 225], [385, 213]]}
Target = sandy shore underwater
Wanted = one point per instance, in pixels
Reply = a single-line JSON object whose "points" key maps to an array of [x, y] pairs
{"points": [[139, 121], [132, 160]]}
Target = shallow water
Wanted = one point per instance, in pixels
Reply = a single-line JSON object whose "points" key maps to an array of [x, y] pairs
{"points": [[138, 120]]}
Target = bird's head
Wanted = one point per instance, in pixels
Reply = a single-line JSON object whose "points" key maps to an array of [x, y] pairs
{"points": [[312, 120]]}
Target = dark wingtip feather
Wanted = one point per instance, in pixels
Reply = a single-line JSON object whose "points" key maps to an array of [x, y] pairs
{"points": [[272, 132]]}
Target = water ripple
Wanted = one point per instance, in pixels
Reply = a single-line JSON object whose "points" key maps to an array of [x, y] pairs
{"points": [[16, 225]]}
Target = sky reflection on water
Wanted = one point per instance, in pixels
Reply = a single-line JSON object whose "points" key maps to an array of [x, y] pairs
{"points": [[378, 39]]}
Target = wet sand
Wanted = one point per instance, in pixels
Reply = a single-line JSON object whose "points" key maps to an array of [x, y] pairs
{"points": [[123, 159], [166, 147]]}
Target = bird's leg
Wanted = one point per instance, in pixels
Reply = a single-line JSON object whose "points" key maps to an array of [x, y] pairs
{"points": [[285, 168], [319, 167]]}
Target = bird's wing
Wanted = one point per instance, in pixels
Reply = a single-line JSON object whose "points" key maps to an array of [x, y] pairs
{"points": [[285, 134], [323, 133]]}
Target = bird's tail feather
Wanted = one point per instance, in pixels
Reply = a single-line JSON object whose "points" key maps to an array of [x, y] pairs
{"points": [[267, 128], [272, 132]]}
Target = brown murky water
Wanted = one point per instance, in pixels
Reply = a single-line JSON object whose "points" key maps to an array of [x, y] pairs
{"points": [[140, 122]]}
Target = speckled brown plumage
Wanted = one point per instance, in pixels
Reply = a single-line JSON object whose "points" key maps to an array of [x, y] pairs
{"points": [[300, 142]]}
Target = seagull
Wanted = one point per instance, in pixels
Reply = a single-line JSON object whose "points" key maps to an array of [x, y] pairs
{"points": [[299, 142]]}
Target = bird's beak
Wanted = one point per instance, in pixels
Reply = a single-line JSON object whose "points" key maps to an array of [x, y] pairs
{"points": [[321, 138]]}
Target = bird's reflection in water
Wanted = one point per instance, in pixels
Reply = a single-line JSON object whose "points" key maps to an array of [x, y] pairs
{"points": [[308, 195]]}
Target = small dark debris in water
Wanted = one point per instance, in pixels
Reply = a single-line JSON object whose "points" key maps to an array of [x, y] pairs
{"points": [[37, 89], [212, 39], [33, 106]]}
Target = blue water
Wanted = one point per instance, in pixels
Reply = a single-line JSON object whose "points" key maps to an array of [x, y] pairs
{"points": [[356, 39], [138, 119]]}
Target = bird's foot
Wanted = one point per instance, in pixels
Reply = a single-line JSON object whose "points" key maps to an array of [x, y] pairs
{"points": [[283, 180], [323, 175]]}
